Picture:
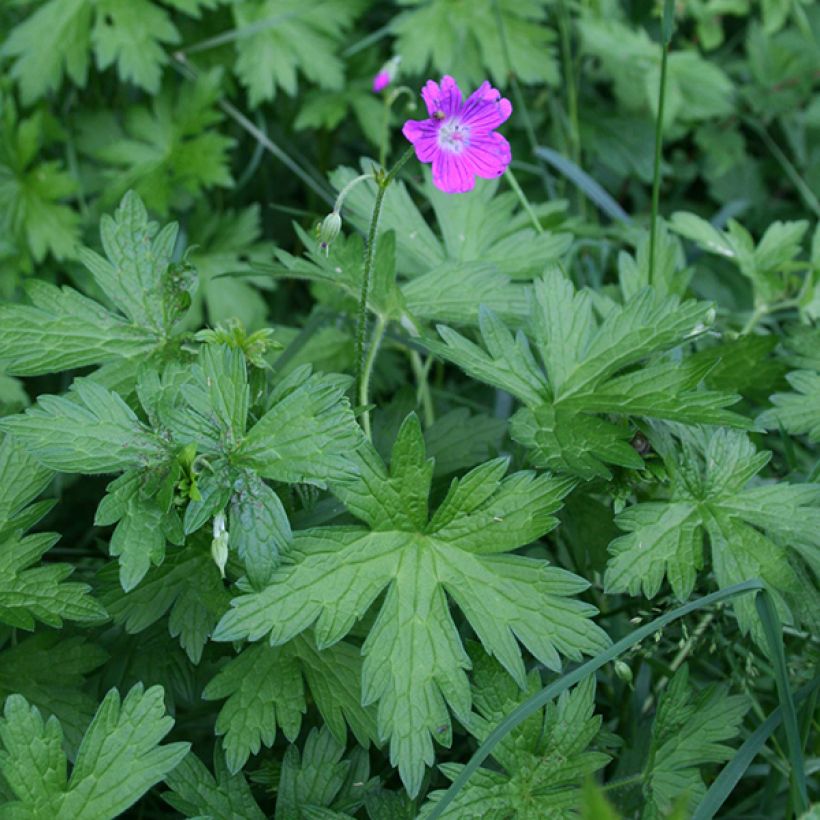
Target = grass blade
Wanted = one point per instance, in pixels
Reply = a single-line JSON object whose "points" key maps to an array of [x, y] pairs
{"points": [[731, 773], [532, 704], [773, 631], [592, 189]]}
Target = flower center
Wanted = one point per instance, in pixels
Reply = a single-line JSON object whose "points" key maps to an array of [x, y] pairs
{"points": [[453, 136]]}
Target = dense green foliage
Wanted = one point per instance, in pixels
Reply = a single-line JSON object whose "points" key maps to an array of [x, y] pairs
{"points": [[261, 558]]}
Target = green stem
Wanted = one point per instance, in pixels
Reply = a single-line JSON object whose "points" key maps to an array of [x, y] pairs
{"points": [[623, 782], [572, 94], [385, 131], [383, 181], [667, 29], [656, 172], [522, 197], [421, 371], [367, 371], [757, 314]]}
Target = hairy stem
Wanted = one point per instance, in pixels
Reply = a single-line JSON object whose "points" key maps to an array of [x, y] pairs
{"points": [[421, 371], [367, 371], [383, 181]]}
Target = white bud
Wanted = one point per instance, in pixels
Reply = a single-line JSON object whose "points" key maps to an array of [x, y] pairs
{"points": [[219, 543]]}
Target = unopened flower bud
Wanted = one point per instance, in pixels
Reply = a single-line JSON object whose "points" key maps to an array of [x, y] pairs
{"points": [[219, 544], [329, 230], [386, 75], [623, 671]]}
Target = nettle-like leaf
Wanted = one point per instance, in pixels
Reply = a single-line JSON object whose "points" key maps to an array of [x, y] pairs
{"points": [[765, 263], [265, 689], [750, 526], [119, 759], [696, 89], [59, 37], [33, 191], [63, 329], [583, 376], [170, 153], [414, 660], [486, 227], [689, 732], [27, 669], [433, 32], [306, 435], [195, 792], [319, 783], [33, 593], [544, 761], [291, 37]]}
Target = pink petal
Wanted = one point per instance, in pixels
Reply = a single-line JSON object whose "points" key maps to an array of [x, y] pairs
{"points": [[485, 108], [446, 98], [487, 156], [451, 174]]}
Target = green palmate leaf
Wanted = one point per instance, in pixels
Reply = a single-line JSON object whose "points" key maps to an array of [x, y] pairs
{"points": [[763, 263], [169, 153], [32, 193], [195, 792], [328, 109], [228, 244], [91, 431], [427, 31], [27, 669], [287, 37], [63, 329], [748, 525], [450, 291], [33, 593], [186, 587], [58, 38], [317, 779], [457, 440], [414, 661], [582, 376], [544, 761], [308, 433], [798, 412], [695, 88], [265, 690], [118, 761], [689, 732], [486, 227]]}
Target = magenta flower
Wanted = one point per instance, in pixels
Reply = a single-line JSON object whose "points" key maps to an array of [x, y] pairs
{"points": [[381, 81], [459, 137]]}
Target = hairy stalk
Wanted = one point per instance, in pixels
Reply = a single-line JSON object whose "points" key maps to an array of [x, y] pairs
{"points": [[667, 27], [383, 181], [367, 371], [421, 371], [522, 198]]}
